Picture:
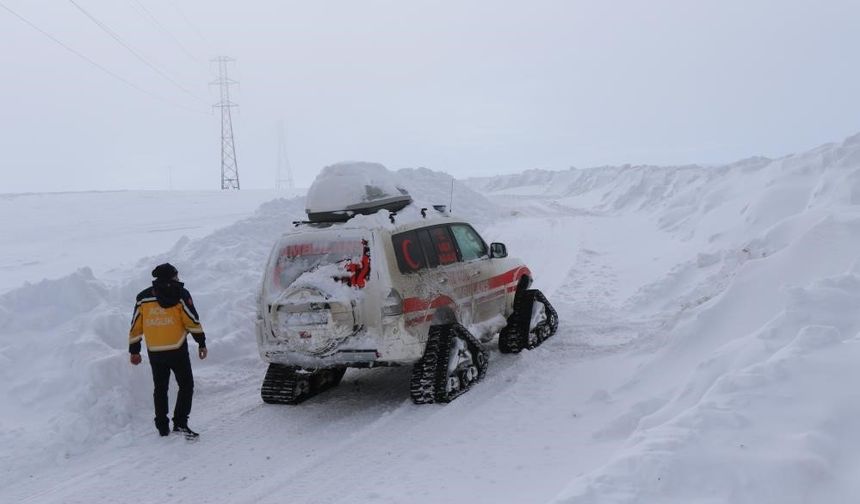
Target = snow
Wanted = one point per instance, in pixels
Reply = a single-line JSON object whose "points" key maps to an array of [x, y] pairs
{"points": [[352, 184], [53, 234], [706, 353]]}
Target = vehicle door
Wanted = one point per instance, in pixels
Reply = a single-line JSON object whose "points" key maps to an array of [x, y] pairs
{"points": [[445, 261], [430, 263], [487, 297]]}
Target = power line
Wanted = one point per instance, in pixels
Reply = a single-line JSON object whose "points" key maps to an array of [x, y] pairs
{"points": [[96, 64], [148, 14], [190, 23], [136, 54]]}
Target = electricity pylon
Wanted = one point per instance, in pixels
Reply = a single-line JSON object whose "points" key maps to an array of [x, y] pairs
{"points": [[283, 162], [229, 166]]}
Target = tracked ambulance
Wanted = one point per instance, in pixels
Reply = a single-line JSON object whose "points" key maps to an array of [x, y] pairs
{"points": [[372, 278]]}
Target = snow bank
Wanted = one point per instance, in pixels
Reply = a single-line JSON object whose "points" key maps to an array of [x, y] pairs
{"points": [[430, 188], [66, 381], [764, 417], [746, 399], [59, 376]]}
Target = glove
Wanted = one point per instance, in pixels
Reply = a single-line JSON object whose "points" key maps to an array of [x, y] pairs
{"points": [[202, 353], [134, 358]]}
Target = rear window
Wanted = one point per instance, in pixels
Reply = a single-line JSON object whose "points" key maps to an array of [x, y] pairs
{"points": [[410, 254], [296, 255]]}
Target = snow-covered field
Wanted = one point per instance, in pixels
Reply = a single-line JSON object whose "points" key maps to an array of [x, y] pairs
{"points": [[48, 235], [710, 329]]}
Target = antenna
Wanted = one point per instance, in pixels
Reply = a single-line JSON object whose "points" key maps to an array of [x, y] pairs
{"points": [[451, 205]]}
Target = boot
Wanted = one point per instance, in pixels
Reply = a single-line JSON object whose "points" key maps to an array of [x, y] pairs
{"points": [[163, 427], [188, 433]]}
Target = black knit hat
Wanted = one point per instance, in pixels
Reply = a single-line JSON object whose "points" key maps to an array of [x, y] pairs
{"points": [[165, 271]]}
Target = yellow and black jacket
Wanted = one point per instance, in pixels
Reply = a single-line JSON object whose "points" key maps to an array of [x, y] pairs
{"points": [[163, 323]]}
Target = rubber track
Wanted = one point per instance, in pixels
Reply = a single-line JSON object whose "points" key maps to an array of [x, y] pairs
{"points": [[423, 384], [430, 373], [475, 348], [510, 337], [548, 326], [514, 337], [284, 385]]}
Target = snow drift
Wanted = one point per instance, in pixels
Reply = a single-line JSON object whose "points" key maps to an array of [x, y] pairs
{"points": [[756, 325]]}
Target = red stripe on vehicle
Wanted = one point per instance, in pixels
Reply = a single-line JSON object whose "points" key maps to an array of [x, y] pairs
{"points": [[503, 279], [417, 304], [508, 279], [419, 320]]}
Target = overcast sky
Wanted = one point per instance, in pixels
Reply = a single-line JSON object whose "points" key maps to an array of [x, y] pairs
{"points": [[467, 87]]}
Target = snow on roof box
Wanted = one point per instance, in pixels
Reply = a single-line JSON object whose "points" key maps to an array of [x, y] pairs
{"points": [[345, 189]]}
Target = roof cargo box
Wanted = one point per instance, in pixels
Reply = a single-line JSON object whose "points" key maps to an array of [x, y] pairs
{"points": [[346, 189]]}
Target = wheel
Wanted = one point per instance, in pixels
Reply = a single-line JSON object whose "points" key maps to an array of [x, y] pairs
{"points": [[453, 361], [532, 322]]}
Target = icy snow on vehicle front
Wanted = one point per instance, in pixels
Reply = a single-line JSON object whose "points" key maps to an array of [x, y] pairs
{"points": [[372, 279]]}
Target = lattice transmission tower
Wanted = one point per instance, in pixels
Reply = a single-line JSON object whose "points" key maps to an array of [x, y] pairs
{"points": [[229, 166], [284, 168]]}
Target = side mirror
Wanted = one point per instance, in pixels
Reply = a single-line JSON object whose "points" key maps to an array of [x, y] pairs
{"points": [[498, 251]]}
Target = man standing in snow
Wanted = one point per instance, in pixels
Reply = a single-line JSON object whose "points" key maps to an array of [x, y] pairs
{"points": [[163, 316]]}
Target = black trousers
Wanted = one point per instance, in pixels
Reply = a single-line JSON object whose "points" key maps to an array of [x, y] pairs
{"points": [[162, 364]]}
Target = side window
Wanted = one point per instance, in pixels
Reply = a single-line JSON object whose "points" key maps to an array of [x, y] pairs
{"points": [[428, 248], [470, 243], [409, 252], [443, 245]]}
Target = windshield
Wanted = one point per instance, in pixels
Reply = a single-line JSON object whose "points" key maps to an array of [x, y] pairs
{"points": [[306, 253]]}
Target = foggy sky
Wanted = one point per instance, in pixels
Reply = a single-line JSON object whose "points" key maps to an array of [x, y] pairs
{"points": [[471, 87]]}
